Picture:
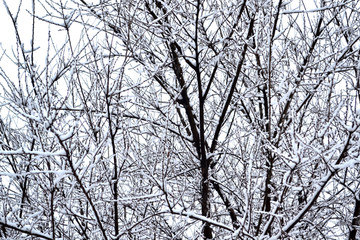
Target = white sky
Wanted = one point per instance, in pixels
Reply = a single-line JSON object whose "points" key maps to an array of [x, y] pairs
{"points": [[7, 38]]}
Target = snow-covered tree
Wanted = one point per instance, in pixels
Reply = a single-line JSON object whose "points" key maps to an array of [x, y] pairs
{"points": [[180, 119]]}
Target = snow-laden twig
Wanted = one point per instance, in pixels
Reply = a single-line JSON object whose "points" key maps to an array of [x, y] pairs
{"points": [[22, 151], [26, 230], [195, 216], [313, 10]]}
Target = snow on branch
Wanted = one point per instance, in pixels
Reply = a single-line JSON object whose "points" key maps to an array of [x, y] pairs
{"points": [[314, 10], [195, 216], [26, 230], [22, 151]]}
